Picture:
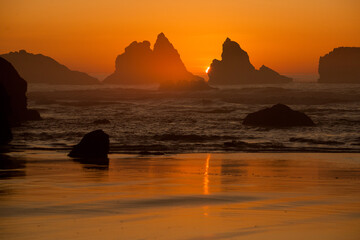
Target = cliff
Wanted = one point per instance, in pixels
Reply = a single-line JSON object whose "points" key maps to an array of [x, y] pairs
{"points": [[37, 68], [235, 68], [14, 94], [342, 65]]}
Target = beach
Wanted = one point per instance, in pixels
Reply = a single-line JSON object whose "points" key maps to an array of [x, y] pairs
{"points": [[46, 195]]}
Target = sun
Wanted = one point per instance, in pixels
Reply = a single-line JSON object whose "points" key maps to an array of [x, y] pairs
{"points": [[207, 70]]}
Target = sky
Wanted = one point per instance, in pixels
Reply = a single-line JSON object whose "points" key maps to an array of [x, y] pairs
{"points": [[286, 35]]}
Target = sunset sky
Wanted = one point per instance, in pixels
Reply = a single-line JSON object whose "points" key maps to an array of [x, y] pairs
{"points": [[87, 35]]}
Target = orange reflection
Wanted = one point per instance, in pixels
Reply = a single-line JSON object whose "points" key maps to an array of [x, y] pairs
{"points": [[206, 175]]}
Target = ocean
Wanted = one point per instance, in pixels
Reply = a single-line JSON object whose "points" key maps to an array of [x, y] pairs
{"points": [[178, 122]]}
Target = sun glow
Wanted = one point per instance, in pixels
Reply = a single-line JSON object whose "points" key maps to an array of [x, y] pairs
{"points": [[207, 70]]}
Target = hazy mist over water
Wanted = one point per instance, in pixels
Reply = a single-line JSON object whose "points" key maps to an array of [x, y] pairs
{"points": [[208, 121]]}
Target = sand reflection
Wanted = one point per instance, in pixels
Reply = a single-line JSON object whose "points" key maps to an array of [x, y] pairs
{"points": [[206, 175]]}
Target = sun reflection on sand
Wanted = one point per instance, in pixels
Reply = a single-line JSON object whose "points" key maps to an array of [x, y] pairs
{"points": [[206, 175]]}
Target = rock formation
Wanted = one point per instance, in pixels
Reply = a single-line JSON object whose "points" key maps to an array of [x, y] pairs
{"points": [[37, 68], [139, 64], [93, 145], [15, 87], [235, 68], [342, 65], [278, 115], [5, 129]]}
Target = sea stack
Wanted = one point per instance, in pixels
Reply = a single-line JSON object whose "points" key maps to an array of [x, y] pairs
{"points": [[140, 64], [37, 68], [342, 65], [236, 68], [15, 88], [278, 115]]}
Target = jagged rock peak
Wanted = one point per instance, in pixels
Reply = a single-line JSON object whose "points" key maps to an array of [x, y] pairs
{"points": [[163, 45], [134, 46], [232, 49]]}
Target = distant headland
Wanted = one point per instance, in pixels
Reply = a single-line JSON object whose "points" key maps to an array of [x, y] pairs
{"points": [[37, 68]]}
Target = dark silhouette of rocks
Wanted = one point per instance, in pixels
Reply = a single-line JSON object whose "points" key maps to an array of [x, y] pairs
{"points": [[270, 76], [15, 88], [93, 145], [342, 65], [37, 68], [235, 68], [101, 121], [139, 64], [278, 115], [5, 129]]}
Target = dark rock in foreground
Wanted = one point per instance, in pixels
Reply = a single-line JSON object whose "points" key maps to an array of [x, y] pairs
{"points": [[235, 68], [278, 115], [93, 145], [140, 64], [5, 129], [15, 87], [37, 68], [342, 65]]}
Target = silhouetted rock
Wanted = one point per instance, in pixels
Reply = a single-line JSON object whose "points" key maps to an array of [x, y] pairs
{"points": [[5, 129], [342, 65], [37, 68], [101, 121], [235, 68], [139, 64], [93, 145], [270, 76], [278, 115], [15, 88]]}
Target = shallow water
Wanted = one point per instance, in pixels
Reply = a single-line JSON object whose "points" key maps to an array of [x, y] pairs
{"points": [[210, 121], [46, 195]]}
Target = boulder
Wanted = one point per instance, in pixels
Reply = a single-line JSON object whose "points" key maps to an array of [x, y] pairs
{"points": [[342, 65], [93, 145], [140, 64], [235, 68], [37, 68], [15, 88], [278, 115]]}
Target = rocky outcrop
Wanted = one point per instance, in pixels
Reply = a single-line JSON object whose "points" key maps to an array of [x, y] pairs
{"points": [[139, 64], [342, 65], [15, 87], [278, 115], [5, 129], [235, 68], [93, 145], [37, 68]]}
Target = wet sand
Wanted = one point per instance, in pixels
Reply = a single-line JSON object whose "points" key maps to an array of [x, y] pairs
{"points": [[45, 195]]}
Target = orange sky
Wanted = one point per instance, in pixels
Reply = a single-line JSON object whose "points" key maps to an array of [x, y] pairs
{"points": [[87, 35]]}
